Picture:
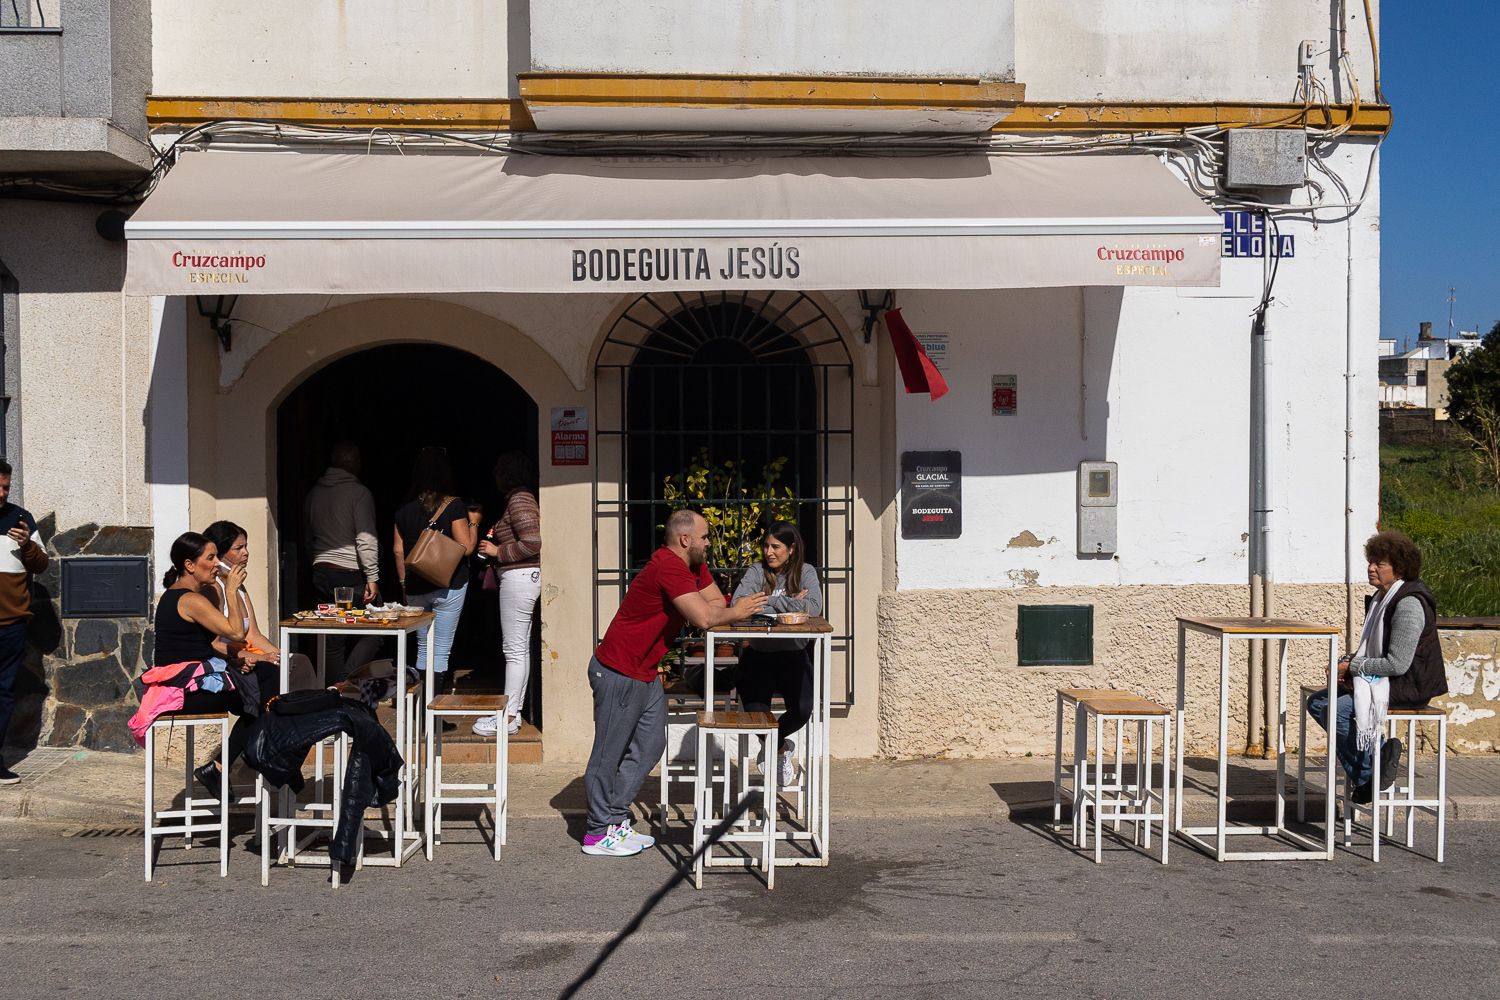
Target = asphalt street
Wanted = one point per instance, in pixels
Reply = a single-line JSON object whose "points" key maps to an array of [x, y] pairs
{"points": [[954, 907]]}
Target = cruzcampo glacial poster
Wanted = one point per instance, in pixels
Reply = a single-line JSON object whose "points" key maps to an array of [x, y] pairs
{"points": [[930, 499]]}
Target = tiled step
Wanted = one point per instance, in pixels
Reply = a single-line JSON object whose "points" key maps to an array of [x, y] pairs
{"points": [[462, 747]]}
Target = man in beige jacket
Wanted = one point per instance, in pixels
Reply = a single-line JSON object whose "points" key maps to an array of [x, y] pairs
{"points": [[340, 520]]}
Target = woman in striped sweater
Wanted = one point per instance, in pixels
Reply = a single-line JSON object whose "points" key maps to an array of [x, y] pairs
{"points": [[515, 546]]}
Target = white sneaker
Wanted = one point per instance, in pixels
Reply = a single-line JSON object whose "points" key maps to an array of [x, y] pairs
{"points": [[632, 837], [513, 724], [611, 845], [485, 726], [786, 774]]}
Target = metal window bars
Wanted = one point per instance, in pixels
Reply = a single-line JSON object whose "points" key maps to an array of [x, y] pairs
{"points": [[30, 15], [749, 377]]}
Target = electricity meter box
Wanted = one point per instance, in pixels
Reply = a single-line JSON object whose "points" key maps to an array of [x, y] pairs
{"points": [[1098, 503]]}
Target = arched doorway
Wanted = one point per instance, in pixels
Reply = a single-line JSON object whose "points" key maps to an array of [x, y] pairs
{"points": [[392, 401], [754, 387]]}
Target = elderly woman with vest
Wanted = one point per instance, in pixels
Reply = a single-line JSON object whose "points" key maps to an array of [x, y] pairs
{"points": [[1398, 662]]}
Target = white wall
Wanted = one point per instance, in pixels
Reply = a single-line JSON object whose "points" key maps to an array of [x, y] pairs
{"points": [[1168, 399], [374, 48], [1165, 50], [84, 366], [1077, 51], [961, 38]]}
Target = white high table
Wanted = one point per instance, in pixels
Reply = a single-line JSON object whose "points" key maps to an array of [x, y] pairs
{"points": [[405, 840], [815, 761], [1227, 630]]}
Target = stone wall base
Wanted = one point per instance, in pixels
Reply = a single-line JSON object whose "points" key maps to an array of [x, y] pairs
{"points": [[950, 685], [81, 682], [1473, 701]]}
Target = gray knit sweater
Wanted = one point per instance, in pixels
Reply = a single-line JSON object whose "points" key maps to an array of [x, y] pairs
{"points": [[1406, 629], [754, 582]]}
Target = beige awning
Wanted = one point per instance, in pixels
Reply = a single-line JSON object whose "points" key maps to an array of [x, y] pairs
{"points": [[286, 222]]}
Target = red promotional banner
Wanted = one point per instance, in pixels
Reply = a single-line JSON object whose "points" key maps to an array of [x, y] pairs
{"points": [[918, 372]]}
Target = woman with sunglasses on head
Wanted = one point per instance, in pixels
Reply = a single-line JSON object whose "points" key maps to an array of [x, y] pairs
{"points": [[781, 666]]}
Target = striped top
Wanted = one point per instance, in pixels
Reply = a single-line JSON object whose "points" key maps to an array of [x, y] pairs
{"points": [[518, 533]]}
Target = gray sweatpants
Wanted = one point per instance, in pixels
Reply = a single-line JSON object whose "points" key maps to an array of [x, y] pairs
{"points": [[630, 719]]}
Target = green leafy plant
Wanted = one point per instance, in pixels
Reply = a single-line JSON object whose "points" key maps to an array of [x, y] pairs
{"points": [[736, 510], [1430, 492]]}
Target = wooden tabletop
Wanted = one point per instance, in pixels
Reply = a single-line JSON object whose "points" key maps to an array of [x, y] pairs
{"points": [[812, 625], [1261, 626], [405, 622]]}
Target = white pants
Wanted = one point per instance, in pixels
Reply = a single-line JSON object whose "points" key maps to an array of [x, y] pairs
{"points": [[519, 590]]}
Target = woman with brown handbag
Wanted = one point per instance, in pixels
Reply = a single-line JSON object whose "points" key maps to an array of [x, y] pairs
{"points": [[435, 530]]}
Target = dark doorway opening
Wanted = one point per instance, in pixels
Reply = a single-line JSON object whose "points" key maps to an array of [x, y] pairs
{"points": [[392, 401]]}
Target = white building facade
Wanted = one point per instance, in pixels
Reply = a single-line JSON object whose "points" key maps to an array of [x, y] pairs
{"points": [[1139, 360]]}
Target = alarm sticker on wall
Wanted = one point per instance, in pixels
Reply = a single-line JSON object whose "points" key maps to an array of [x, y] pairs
{"points": [[1003, 395]]}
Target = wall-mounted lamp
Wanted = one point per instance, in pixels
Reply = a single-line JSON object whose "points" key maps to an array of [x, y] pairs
{"points": [[217, 309], [873, 307]]}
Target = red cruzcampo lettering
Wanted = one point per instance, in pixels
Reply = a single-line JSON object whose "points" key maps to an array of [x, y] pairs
{"points": [[232, 262]]}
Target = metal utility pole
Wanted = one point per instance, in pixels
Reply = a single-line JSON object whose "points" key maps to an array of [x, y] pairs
{"points": [[1452, 297]]}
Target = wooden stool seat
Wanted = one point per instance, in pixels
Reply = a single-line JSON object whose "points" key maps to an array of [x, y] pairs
{"points": [[1418, 711], [1122, 703], [736, 720], [477, 703], [192, 716]]}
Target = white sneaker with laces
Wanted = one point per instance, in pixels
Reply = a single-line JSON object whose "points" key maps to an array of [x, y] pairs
{"points": [[485, 726], [786, 774], [632, 837], [611, 845]]}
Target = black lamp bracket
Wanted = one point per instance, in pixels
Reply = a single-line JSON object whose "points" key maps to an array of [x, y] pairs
{"points": [[873, 307], [217, 309]]}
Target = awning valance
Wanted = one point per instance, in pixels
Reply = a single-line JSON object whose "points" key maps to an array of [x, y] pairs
{"points": [[290, 222]]}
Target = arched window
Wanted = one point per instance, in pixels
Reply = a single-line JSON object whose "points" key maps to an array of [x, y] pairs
{"points": [[753, 388]]}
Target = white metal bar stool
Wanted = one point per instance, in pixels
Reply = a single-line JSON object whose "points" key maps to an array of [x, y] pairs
{"points": [[438, 792], [1140, 801], [159, 822], [1070, 775], [727, 730], [320, 812], [1403, 792]]}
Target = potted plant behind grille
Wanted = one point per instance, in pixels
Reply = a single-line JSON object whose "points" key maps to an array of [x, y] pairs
{"points": [[737, 515]]}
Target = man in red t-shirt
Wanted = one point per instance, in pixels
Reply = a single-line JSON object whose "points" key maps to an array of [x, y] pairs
{"points": [[630, 708]]}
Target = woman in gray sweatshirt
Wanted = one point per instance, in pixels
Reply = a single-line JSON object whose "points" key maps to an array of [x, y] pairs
{"points": [[1400, 642], [781, 666]]}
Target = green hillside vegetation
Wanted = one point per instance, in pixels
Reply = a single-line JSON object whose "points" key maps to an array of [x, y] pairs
{"points": [[1439, 495]]}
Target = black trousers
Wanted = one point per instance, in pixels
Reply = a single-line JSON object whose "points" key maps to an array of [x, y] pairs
{"points": [[203, 702], [789, 673], [344, 654]]}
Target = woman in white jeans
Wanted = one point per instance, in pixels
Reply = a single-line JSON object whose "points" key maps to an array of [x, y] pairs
{"points": [[514, 546], [432, 502]]}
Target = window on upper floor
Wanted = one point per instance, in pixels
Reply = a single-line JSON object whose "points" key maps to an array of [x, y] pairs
{"points": [[30, 15]]}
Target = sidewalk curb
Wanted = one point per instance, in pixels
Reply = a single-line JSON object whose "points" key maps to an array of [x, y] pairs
{"points": [[68, 811]]}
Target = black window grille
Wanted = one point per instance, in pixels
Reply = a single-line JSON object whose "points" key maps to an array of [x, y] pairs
{"points": [[762, 381]]}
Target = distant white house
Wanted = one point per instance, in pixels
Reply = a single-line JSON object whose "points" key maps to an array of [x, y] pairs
{"points": [[1418, 378]]}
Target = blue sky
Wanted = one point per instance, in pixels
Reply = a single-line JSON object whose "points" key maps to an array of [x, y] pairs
{"points": [[1440, 167]]}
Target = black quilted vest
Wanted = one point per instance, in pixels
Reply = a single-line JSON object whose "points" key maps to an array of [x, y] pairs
{"points": [[1426, 678]]}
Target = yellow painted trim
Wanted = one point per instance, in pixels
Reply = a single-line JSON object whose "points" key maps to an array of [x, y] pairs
{"points": [[442, 114], [617, 90], [1032, 116], [1027, 117]]}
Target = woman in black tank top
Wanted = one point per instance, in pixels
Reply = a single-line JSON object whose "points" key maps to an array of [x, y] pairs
{"points": [[187, 623]]}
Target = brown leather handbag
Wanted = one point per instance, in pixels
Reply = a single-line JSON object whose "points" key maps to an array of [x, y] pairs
{"points": [[435, 556]]}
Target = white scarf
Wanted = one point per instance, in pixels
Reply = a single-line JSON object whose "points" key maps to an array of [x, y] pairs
{"points": [[1372, 695]]}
